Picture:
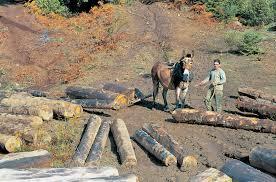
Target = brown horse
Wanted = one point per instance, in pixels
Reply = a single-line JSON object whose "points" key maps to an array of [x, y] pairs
{"points": [[177, 79]]}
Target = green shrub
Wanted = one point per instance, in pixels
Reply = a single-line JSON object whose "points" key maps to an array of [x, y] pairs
{"points": [[55, 6], [246, 43]]}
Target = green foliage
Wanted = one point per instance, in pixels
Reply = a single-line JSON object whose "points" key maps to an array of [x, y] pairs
{"points": [[251, 12], [53, 6], [246, 43]]}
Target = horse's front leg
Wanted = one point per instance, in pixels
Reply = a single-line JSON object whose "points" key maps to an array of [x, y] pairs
{"points": [[177, 98], [183, 97], [164, 94]]}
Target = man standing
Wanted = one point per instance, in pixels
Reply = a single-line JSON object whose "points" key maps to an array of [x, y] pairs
{"points": [[217, 78]]}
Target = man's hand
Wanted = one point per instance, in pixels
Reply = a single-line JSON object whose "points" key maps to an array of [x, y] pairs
{"points": [[214, 84]]}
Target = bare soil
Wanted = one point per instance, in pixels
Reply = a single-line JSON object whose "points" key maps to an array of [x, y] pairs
{"points": [[147, 33]]}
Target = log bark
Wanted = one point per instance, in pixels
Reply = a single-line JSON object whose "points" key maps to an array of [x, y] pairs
{"points": [[116, 88], [97, 104], [153, 147], [60, 108], [38, 158], [211, 174], [58, 174], [43, 111], [194, 116], [185, 161], [246, 104], [123, 143], [242, 172], [264, 157], [87, 139], [10, 143], [98, 146], [255, 94], [33, 121]]}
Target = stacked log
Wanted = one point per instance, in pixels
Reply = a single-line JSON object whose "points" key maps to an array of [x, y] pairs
{"points": [[256, 94], [98, 146], [38, 158], [186, 162], [116, 88], [242, 172], [194, 116], [250, 105], [123, 143], [43, 111], [23, 126], [59, 107], [87, 139], [154, 148], [96, 98], [9, 143], [211, 174], [264, 157]]}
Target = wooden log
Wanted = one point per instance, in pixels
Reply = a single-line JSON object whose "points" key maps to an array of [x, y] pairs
{"points": [[123, 178], [120, 89], [33, 121], [242, 172], [96, 103], [264, 157], [91, 93], [59, 107], [153, 147], [194, 116], [185, 161], [123, 143], [57, 174], [255, 94], [246, 104], [9, 143], [38, 158], [43, 111], [87, 139], [98, 146], [211, 175]]}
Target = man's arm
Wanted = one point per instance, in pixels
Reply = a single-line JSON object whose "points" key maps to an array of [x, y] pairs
{"points": [[222, 78]]}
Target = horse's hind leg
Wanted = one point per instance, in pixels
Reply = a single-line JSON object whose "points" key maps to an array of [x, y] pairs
{"points": [[155, 91]]}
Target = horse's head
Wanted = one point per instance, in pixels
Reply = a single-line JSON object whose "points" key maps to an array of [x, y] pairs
{"points": [[187, 61]]}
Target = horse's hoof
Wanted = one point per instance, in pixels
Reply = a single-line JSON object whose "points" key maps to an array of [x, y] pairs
{"points": [[166, 109]]}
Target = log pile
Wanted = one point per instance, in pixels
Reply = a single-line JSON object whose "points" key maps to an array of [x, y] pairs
{"points": [[257, 95], [59, 107], [194, 116], [110, 96]]}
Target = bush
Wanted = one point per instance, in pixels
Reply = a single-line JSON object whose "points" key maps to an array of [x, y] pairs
{"points": [[246, 43], [53, 6], [251, 12]]}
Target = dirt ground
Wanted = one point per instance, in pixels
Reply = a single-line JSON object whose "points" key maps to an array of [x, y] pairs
{"points": [[147, 33]]}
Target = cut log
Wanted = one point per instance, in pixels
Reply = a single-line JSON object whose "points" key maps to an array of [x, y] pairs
{"points": [[98, 146], [211, 175], [123, 143], [194, 116], [264, 157], [242, 172], [246, 104], [59, 107], [87, 139], [91, 93], [43, 111], [123, 178], [57, 174], [19, 125], [255, 94], [116, 88], [38, 158], [153, 147], [186, 162], [9, 143], [97, 104]]}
